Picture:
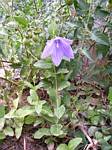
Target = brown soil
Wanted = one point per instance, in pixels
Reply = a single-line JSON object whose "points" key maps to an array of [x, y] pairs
{"points": [[26, 142]]}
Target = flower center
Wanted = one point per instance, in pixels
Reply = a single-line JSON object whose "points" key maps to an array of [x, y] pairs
{"points": [[57, 42]]}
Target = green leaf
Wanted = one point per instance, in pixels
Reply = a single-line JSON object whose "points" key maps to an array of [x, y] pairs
{"points": [[40, 2], [30, 119], [89, 1], [56, 130], [98, 135], [3, 34], [1, 52], [52, 28], [52, 94], [24, 111], [46, 110], [38, 107], [18, 122], [2, 135], [18, 131], [16, 102], [69, 2], [59, 112], [21, 20], [74, 143], [38, 121], [102, 49], [110, 95], [42, 132], [95, 120], [2, 123], [50, 119], [62, 147], [87, 54], [63, 85], [76, 4], [62, 71], [9, 131], [41, 64], [100, 38], [28, 84], [99, 12], [33, 98], [2, 111], [83, 5], [10, 114]]}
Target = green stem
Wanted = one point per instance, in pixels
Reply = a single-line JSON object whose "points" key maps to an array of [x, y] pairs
{"points": [[56, 88]]}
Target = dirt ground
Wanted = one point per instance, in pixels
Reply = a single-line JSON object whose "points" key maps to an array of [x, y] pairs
{"points": [[26, 142]]}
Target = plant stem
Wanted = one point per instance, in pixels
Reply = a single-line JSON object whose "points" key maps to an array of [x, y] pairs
{"points": [[56, 88], [7, 80]]}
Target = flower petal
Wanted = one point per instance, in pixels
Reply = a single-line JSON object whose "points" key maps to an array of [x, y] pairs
{"points": [[47, 50], [57, 55], [67, 50], [65, 40], [58, 48]]}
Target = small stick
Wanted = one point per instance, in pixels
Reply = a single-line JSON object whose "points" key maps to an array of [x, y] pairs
{"points": [[92, 142], [24, 143]]}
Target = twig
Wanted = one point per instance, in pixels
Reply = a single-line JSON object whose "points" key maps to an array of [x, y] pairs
{"points": [[92, 45], [93, 143], [60, 7], [9, 81], [24, 143]]}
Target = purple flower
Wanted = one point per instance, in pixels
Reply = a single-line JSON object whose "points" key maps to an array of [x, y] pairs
{"points": [[58, 49]]}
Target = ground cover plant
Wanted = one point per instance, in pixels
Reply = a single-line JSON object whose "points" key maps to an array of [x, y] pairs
{"points": [[56, 74]]}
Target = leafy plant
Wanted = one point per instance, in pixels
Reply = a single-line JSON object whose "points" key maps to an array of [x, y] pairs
{"points": [[66, 104]]}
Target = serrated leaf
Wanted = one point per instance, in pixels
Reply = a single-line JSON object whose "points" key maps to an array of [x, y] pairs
{"points": [[102, 49], [100, 38], [74, 143], [87, 54]]}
